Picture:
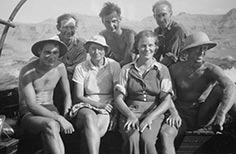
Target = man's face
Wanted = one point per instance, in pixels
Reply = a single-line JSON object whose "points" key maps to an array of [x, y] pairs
{"points": [[197, 54], [112, 21], [67, 28], [49, 54], [162, 15]]}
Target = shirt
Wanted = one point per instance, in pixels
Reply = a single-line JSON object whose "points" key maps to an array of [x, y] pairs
{"points": [[171, 40], [98, 82], [120, 45]]}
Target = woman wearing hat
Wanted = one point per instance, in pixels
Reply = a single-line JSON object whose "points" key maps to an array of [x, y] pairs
{"points": [[94, 81], [204, 94]]}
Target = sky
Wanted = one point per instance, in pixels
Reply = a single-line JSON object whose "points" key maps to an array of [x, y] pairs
{"points": [[34, 11]]}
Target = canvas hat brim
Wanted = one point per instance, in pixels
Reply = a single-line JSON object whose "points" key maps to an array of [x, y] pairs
{"points": [[209, 44], [88, 43], [38, 46]]}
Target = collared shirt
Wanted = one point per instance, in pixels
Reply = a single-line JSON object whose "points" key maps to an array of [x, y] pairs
{"points": [[171, 40], [120, 45], [161, 82], [98, 82], [76, 53]]}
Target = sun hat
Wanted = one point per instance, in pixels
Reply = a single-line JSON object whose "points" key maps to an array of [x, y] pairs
{"points": [[38, 46], [98, 39], [197, 39]]}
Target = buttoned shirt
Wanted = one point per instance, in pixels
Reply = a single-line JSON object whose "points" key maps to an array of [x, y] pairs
{"points": [[150, 87]]}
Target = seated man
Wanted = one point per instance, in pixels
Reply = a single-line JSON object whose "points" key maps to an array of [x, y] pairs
{"points": [[37, 81], [204, 94]]}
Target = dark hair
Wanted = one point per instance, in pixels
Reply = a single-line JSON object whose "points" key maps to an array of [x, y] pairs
{"points": [[160, 2], [108, 8], [144, 33], [66, 16]]}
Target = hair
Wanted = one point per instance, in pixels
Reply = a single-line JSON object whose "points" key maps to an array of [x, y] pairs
{"points": [[66, 16], [144, 33], [108, 8], [161, 2]]}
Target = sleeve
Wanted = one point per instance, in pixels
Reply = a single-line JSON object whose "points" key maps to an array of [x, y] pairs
{"points": [[166, 84], [79, 74], [116, 71], [122, 81], [175, 44]]}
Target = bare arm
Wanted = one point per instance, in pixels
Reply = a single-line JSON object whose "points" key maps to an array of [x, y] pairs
{"points": [[162, 108], [229, 90], [132, 120], [66, 88]]}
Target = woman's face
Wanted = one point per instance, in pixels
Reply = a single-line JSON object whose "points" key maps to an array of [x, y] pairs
{"points": [[147, 47], [96, 51]]}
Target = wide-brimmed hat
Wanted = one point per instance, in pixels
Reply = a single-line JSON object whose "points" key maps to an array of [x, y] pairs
{"points": [[98, 39], [37, 47], [197, 39]]}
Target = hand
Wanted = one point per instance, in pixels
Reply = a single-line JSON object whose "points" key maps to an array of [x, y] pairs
{"points": [[218, 123], [146, 123], [108, 107], [174, 120], [131, 123], [66, 126]]}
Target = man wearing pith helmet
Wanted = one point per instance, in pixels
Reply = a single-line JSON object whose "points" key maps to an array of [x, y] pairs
{"points": [[37, 82], [204, 94]]}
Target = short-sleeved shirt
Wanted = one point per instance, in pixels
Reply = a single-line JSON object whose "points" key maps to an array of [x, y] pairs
{"points": [[171, 40], [98, 83], [144, 90], [119, 45], [76, 52]]}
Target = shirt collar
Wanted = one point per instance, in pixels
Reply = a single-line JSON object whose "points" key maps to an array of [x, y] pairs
{"points": [[154, 64], [91, 65]]}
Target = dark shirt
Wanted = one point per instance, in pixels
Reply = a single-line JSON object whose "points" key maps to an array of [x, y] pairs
{"points": [[171, 40]]}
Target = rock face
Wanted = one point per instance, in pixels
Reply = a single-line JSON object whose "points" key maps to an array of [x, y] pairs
{"points": [[220, 28]]}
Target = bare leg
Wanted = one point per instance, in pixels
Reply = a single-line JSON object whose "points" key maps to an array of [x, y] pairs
{"points": [[103, 123], [50, 131], [87, 120], [167, 136]]}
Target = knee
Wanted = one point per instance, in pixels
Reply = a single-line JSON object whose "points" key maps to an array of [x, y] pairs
{"points": [[51, 127], [168, 133]]}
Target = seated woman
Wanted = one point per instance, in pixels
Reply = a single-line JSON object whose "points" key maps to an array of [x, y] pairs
{"points": [[94, 83], [143, 95]]}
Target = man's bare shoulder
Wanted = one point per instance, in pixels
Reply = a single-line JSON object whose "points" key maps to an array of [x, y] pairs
{"points": [[177, 68]]}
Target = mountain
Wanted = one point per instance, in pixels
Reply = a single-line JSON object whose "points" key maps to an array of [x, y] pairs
{"points": [[220, 28]]}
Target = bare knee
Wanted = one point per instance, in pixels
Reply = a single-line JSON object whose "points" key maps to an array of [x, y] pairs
{"points": [[168, 133], [51, 127]]}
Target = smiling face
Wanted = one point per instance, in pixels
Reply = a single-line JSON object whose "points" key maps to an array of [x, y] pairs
{"points": [[49, 54], [67, 29], [162, 15], [147, 47], [97, 52], [112, 22], [197, 54]]}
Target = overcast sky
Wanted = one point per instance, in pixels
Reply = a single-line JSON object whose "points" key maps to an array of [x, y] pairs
{"points": [[38, 10]]}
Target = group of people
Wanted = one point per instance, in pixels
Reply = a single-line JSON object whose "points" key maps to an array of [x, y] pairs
{"points": [[157, 80]]}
